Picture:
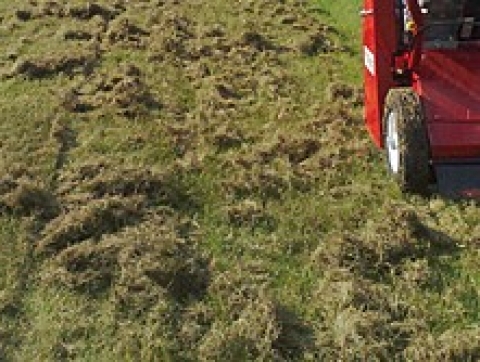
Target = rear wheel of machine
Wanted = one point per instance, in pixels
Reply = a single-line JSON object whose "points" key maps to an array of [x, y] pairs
{"points": [[406, 142]]}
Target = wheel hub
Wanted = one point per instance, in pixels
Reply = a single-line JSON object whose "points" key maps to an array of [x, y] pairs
{"points": [[392, 143]]}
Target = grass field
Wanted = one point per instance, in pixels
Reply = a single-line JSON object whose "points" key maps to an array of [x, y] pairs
{"points": [[191, 181]]}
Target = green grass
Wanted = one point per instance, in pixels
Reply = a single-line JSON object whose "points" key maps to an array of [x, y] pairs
{"points": [[13, 250], [344, 15], [306, 258]]}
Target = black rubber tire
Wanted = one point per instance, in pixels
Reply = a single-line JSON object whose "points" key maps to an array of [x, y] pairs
{"points": [[414, 170]]}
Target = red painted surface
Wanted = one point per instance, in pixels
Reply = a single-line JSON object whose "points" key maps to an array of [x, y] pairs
{"points": [[448, 83], [379, 38]]}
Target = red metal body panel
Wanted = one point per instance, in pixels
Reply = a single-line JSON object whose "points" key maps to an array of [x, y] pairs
{"points": [[379, 44], [448, 82]]}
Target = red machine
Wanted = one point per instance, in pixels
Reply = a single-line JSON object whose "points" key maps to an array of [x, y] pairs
{"points": [[422, 91]]}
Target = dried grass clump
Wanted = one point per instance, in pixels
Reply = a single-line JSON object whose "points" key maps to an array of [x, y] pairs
{"points": [[156, 263], [9, 301], [63, 133], [296, 149], [4, 336], [251, 325], [251, 336], [170, 39], [70, 64], [360, 320], [88, 267], [362, 314], [249, 213], [239, 285], [184, 137], [143, 265], [90, 10], [85, 11], [7, 184], [97, 180], [70, 180], [316, 41], [366, 299], [416, 273], [227, 137], [77, 34], [265, 183], [27, 198], [272, 169], [91, 221], [247, 324], [257, 41], [38, 9], [129, 182], [123, 31], [343, 92], [383, 248], [453, 345], [23, 14], [124, 91]]}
